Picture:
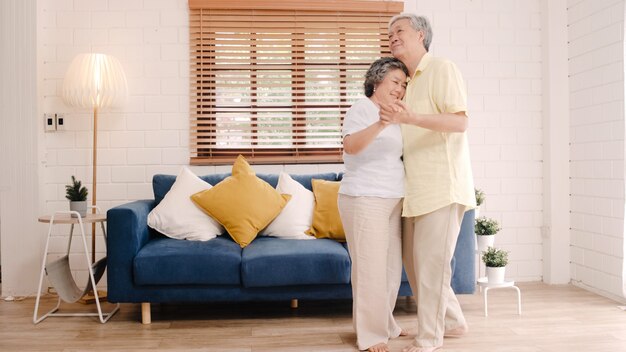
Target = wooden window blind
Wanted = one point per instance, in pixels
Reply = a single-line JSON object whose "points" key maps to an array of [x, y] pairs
{"points": [[273, 80]]}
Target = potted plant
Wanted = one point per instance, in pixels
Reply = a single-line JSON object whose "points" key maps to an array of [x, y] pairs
{"points": [[480, 198], [495, 260], [485, 229], [77, 195]]}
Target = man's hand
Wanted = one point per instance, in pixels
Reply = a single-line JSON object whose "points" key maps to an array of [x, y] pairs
{"points": [[393, 113], [398, 112]]}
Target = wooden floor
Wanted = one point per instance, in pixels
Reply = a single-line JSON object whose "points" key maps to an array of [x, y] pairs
{"points": [[555, 318]]}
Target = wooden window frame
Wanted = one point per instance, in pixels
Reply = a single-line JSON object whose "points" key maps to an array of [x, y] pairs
{"points": [[204, 72]]}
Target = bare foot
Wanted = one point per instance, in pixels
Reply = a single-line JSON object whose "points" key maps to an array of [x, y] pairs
{"points": [[379, 347], [456, 332], [413, 348], [411, 331]]}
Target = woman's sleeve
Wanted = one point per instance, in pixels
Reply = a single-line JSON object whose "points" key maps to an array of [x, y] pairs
{"points": [[353, 121]]}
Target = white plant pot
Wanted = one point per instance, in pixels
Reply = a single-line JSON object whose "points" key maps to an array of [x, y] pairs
{"points": [[80, 207], [495, 275], [484, 242]]}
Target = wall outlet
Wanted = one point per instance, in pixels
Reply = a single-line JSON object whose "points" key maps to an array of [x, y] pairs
{"points": [[60, 121], [49, 123]]}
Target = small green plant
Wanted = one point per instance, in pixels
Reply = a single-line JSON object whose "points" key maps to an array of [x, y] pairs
{"points": [[486, 226], [495, 258], [75, 191], [480, 196]]}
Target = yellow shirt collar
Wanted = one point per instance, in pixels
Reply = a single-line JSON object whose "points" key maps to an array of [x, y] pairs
{"points": [[423, 64]]}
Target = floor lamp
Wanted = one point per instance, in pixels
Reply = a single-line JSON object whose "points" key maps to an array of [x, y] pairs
{"points": [[94, 81]]}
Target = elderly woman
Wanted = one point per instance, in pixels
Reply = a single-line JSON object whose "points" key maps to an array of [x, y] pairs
{"points": [[370, 204]]}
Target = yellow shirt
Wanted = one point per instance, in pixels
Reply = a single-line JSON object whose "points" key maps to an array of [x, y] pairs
{"points": [[437, 164]]}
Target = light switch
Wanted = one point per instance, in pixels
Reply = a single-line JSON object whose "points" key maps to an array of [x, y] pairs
{"points": [[49, 123], [60, 122]]}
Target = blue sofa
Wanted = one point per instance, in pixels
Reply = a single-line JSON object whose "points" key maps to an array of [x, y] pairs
{"points": [[147, 267]]}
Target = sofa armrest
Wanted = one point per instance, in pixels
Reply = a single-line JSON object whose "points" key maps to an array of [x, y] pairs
{"points": [[127, 233]]}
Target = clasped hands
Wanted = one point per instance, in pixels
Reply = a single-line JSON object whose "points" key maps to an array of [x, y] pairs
{"points": [[393, 113]]}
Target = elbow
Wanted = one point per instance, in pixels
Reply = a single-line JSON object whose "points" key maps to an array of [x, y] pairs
{"points": [[348, 145], [349, 150]]}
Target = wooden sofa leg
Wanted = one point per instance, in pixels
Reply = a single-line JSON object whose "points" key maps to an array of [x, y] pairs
{"points": [[145, 313], [294, 303]]}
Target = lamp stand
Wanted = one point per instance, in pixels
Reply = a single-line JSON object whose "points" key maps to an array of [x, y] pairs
{"points": [[90, 297], [93, 194]]}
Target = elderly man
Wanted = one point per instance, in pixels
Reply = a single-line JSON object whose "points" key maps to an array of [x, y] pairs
{"points": [[439, 186]]}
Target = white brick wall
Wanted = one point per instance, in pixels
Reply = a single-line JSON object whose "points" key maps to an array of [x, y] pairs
{"points": [[149, 134], [596, 55], [497, 45]]}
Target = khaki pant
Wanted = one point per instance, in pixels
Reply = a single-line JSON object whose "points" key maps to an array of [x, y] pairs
{"points": [[372, 226], [428, 243]]}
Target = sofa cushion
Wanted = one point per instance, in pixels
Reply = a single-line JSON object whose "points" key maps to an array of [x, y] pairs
{"points": [[243, 203], [269, 262], [304, 179], [296, 217], [166, 261], [326, 220], [161, 184], [180, 218]]}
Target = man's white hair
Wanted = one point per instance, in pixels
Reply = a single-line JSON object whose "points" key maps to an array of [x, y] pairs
{"points": [[419, 23]]}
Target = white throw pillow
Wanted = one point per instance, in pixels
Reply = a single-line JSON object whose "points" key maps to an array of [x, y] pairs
{"points": [[297, 215], [180, 218]]}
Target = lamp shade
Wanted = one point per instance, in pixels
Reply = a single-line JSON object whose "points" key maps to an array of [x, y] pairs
{"points": [[94, 81]]}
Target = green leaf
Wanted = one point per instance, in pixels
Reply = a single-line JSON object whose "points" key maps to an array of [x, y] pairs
{"points": [[75, 191], [495, 258]]}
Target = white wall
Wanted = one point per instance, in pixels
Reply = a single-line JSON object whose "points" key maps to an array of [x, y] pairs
{"points": [[556, 176], [496, 43], [150, 134], [19, 183], [596, 53]]}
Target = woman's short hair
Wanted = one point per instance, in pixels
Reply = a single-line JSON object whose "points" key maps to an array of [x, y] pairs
{"points": [[419, 23], [378, 70]]}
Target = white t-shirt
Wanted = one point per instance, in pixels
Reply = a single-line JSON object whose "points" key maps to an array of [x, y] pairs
{"points": [[377, 171]]}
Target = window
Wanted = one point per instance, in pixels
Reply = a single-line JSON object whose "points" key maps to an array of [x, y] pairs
{"points": [[273, 80]]}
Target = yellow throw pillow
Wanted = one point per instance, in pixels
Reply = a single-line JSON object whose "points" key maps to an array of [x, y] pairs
{"points": [[326, 220], [243, 203]]}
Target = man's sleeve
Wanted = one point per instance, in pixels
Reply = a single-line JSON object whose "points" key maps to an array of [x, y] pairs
{"points": [[449, 88]]}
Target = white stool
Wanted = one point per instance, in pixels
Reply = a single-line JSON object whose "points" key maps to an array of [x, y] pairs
{"points": [[482, 282]]}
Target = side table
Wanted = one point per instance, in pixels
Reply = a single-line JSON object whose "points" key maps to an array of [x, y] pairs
{"points": [[59, 273], [486, 286]]}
